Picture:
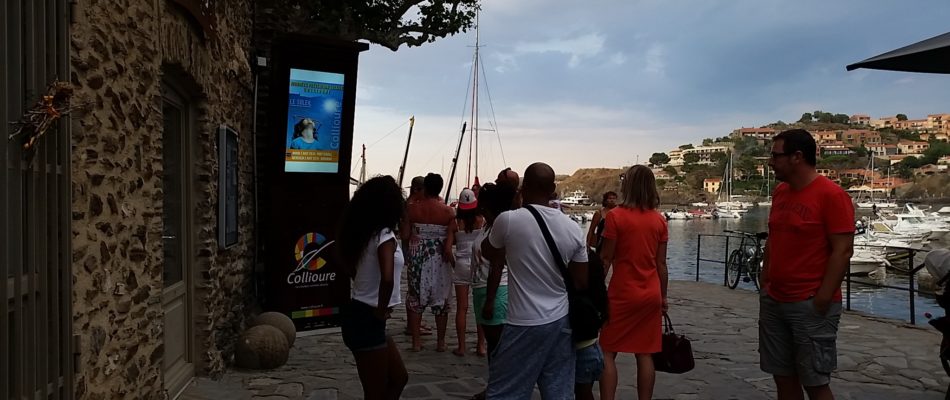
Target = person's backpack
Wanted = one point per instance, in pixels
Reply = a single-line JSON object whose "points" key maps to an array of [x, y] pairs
{"points": [[597, 287], [588, 308]]}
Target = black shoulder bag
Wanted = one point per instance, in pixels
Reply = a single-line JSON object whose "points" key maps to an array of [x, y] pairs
{"points": [[585, 317], [676, 357]]}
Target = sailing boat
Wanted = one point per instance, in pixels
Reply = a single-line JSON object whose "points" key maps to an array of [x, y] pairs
{"points": [[471, 127], [875, 204], [725, 206], [768, 188]]}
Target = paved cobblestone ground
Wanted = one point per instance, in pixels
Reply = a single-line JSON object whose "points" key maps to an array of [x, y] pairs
{"points": [[877, 359]]}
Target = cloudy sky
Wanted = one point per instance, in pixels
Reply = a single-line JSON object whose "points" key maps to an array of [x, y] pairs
{"points": [[599, 83]]}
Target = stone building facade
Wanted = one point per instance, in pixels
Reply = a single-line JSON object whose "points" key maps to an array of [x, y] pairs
{"points": [[131, 60]]}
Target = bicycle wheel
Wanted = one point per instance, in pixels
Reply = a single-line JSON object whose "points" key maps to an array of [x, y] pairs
{"points": [[734, 269]]}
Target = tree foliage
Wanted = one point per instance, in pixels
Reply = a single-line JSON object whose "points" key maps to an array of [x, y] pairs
{"points": [[861, 151], [659, 159], [824, 117], [747, 166], [841, 119], [690, 158], [388, 23], [936, 150], [750, 147], [901, 117], [841, 161]]}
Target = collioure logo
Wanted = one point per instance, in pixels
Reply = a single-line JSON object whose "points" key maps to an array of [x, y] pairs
{"points": [[307, 252]]}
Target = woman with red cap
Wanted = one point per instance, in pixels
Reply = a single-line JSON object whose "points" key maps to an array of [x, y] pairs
{"points": [[461, 234]]}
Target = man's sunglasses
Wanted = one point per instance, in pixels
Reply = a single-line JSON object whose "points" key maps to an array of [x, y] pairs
{"points": [[777, 155]]}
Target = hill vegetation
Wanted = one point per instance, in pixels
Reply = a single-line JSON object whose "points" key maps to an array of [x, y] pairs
{"points": [[593, 181], [685, 183]]}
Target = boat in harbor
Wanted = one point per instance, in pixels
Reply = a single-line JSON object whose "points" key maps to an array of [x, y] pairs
{"points": [[676, 214], [577, 198], [726, 213], [871, 261], [869, 187], [768, 189], [726, 205], [700, 213], [473, 98]]}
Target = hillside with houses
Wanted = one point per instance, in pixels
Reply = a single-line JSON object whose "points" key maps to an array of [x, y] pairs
{"points": [[894, 157]]}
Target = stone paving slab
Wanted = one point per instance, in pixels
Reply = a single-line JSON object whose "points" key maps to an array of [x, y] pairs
{"points": [[877, 359]]}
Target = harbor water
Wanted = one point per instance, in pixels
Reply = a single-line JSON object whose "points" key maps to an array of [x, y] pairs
{"points": [[683, 247]]}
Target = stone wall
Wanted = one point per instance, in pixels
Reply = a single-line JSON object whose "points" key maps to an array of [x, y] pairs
{"points": [[121, 50]]}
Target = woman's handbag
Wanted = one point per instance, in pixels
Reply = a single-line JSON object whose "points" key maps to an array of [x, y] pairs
{"points": [[677, 354]]}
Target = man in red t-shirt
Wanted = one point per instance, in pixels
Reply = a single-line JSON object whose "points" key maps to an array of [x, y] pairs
{"points": [[811, 239]]}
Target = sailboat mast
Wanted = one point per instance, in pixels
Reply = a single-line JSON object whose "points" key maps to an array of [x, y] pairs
{"points": [[405, 157], [475, 92], [363, 166], [732, 174], [872, 179], [473, 138], [455, 163]]}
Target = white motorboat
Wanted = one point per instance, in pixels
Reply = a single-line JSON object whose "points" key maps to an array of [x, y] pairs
{"points": [[725, 213], [577, 197], [868, 261], [701, 204], [678, 215], [878, 204]]}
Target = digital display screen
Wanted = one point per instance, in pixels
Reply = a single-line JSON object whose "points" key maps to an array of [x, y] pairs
{"points": [[314, 115]]}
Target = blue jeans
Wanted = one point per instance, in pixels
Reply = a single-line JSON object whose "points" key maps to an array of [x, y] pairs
{"points": [[529, 355]]}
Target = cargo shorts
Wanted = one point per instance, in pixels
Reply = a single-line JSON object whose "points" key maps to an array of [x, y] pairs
{"points": [[794, 340]]}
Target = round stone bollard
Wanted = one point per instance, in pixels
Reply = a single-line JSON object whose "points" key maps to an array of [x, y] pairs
{"points": [[279, 321], [262, 347]]}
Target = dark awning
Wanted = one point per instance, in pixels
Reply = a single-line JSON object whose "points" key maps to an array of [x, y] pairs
{"points": [[931, 55]]}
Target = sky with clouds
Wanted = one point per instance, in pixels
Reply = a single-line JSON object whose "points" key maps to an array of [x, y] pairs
{"points": [[603, 83]]}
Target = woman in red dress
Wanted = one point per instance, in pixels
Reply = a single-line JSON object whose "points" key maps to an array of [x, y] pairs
{"points": [[635, 245]]}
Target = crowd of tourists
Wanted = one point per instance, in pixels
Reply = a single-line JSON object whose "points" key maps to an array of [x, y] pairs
{"points": [[555, 305]]}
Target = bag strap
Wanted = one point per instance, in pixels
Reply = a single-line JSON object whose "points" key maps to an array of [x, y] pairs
{"points": [[552, 246], [667, 324]]}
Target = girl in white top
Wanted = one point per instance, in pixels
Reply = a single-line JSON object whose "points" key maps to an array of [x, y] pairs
{"points": [[461, 234], [370, 251]]}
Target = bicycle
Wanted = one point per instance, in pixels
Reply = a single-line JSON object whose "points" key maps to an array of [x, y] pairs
{"points": [[747, 259]]}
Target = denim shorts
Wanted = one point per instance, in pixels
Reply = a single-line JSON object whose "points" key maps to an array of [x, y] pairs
{"points": [[794, 340], [589, 364], [362, 331]]}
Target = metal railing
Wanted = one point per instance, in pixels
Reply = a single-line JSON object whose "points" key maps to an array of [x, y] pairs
{"points": [[912, 288], [725, 254], [899, 254]]}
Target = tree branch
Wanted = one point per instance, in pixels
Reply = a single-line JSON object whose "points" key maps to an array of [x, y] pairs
{"points": [[404, 8]]}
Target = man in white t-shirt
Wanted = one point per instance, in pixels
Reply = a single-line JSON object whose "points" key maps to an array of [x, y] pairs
{"points": [[535, 345]]}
